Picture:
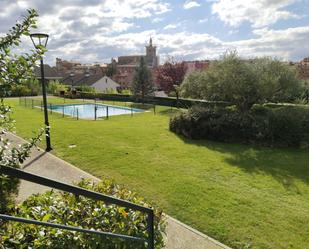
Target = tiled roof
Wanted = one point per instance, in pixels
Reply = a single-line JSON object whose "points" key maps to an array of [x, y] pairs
{"points": [[80, 78], [49, 72]]}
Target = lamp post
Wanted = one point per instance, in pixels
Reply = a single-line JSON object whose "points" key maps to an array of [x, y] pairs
{"points": [[72, 80], [39, 39], [87, 75]]}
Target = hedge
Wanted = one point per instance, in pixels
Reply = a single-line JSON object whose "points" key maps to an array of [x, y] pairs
{"points": [[164, 101], [282, 126]]}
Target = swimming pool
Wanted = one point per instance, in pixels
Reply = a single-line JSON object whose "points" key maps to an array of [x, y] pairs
{"points": [[87, 111]]}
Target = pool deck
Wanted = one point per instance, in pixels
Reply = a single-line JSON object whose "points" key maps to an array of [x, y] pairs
{"points": [[179, 235]]}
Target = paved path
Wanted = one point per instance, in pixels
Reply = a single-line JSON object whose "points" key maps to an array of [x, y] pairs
{"points": [[179, 235]]}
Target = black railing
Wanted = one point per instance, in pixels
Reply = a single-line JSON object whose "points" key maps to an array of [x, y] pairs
{"points": [[61, 108], [17, 173]]}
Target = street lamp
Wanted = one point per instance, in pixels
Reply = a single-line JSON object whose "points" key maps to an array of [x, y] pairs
{"points": [[38, 40]]}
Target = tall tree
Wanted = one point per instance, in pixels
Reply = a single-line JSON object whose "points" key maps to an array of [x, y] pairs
{"points": [[111, 69], [142, 84], [170, 74], [16, 69]]}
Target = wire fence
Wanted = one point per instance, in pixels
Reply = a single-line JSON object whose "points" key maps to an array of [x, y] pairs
{"points": [[91, 110]]}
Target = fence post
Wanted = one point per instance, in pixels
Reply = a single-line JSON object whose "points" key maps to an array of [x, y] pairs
{"points": [[63, 111], [50, 107], [107, 112], [95, 112], [77, 114], [25, 102], [131, 112], [150, 230], [32, 105], [154, 109]]}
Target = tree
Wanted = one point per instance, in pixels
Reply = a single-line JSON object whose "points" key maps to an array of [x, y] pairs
{"points": [[15, 70], [111, 70], [243, 82], [142, 84], [195, 85], [171, 73], [278, 81]]}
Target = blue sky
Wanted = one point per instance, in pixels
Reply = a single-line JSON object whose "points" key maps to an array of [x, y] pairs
{"points": [[96, 30]]}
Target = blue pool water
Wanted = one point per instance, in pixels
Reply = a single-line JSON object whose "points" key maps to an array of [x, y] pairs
{"points": [[87, 111]]}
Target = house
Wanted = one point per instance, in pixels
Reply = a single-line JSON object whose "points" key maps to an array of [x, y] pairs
{"points": [[97, 80], [105, 84], [50, 74]]}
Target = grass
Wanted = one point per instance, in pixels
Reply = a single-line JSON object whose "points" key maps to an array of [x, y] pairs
{"points": [[244, 196]]}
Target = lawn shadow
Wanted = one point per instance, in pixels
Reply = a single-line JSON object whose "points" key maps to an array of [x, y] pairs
{"points": [[169, 112], [141, 106], [283, 164]]}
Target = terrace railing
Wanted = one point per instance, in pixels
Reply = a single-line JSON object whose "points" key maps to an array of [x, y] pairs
{"points": [[17, 173]]}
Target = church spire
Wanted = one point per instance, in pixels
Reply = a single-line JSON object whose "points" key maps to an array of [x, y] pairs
{"points": [[150, 42]]}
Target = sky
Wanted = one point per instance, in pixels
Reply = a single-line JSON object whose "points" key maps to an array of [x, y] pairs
{"points": [[94, 31]]}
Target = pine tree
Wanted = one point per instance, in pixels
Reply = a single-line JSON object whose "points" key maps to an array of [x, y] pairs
{"points": [[142, 84]]}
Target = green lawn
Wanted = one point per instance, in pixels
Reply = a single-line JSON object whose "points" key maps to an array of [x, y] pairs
{"points": [[244, 196]]}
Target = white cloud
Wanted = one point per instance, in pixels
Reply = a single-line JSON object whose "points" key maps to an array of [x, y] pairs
{"points": [[203, 20], [259, 13], [190, 4], [171, 26], [287, 44], [96, 33], [157, 19]]}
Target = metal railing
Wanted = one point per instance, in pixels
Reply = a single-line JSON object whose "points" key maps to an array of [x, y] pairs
{"points": [[100, 110], [17, 173]]}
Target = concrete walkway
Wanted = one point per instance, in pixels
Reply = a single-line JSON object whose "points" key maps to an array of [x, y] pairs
{"points": [[179, 235]]}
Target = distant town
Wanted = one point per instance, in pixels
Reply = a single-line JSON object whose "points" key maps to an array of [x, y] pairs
{"points": [[119, 74]]}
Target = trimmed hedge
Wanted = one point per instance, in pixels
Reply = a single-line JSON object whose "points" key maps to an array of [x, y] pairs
{"points": [[281, 126], [164, 101], [65, 208]]}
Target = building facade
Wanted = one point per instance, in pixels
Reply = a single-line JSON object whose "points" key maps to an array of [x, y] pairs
{"points": [[125, 65], [64, 67], [193, 66], [303, 68]]}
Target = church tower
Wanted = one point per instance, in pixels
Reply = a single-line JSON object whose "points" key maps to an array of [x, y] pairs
{"points": [[151, 54]]}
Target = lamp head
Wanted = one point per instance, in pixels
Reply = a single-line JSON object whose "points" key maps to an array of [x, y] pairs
{"points": [[39, 39]]}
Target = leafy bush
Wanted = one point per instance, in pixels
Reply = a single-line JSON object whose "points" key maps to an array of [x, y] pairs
{"points": [[27, 88], [65, 208], [16, 75], [85, 88], [54, 87], [282, 126]]}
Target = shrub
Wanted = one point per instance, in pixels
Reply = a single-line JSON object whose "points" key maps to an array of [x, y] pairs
{"points": [[85, 88], [65, 208], [54, 87], [283, 126], [290, 125]]}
